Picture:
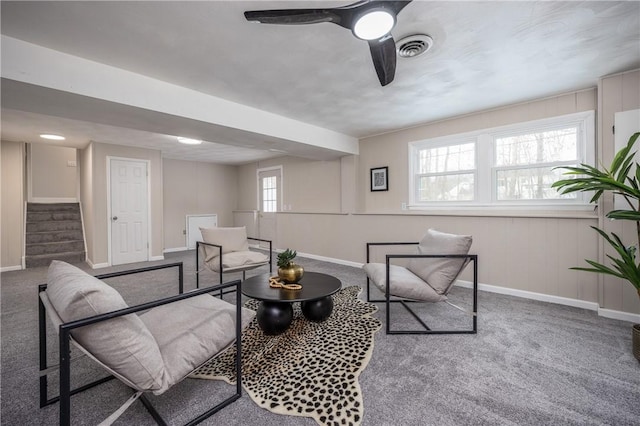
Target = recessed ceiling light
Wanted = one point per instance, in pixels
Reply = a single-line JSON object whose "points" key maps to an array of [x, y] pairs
{"points": [[189, 141], [52, 137]]}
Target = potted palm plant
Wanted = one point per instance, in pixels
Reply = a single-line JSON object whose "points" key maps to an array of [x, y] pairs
{"points": [[621, 178]]}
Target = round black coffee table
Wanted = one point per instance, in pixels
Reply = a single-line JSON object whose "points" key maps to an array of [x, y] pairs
{"points": [[275, 312]]}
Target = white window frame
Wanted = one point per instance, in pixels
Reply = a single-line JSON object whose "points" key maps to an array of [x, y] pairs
{"points": [[485, 184]]}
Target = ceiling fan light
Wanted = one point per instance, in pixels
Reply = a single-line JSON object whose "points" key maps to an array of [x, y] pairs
{"points": [[189, 141], [374, 24]]}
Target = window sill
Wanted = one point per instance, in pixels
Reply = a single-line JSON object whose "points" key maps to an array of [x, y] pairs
{"points": [[585, 211]]}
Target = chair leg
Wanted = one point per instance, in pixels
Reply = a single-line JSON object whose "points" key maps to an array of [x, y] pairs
{"points": [[154, 413], [42, 351], [65, 379]]}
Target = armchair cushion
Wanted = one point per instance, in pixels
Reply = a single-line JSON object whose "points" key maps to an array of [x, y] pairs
{"points": [[404, 283], [237, 261], [440, 273], [123, 344], [190, 331], [231, 239]]}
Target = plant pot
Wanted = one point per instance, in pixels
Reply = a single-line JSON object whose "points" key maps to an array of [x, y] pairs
{"points": [[635, 341], [291, 274]]}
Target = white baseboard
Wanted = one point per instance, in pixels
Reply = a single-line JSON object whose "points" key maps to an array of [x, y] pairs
{"points": [[591, 306], [619, 315], [330, 260], [97, 265], [11, 268], [175, 249], [154, 258]]}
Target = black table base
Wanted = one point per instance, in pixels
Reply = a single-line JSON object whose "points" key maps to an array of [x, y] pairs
{"points": [[276, 317], [317, 310]]}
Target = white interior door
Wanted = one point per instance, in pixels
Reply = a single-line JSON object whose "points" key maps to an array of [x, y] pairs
{"points": [[129, 211], [270, 201]]}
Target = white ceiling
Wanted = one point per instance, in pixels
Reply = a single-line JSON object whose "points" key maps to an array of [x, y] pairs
{"points": [[486, 54]]}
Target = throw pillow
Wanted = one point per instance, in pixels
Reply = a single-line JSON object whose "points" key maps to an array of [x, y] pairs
{"points": [[123, 344], [231, 239], [440, 273]]}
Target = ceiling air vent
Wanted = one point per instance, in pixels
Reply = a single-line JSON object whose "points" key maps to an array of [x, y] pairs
{"points": [[413, 45]]}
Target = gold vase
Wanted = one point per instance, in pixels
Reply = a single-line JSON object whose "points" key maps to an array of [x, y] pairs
{"points": [[291, 274]]}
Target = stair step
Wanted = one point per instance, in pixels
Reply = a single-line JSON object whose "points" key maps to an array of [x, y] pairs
{"points": [[54, 247], [52, 215], [53, 232], [47, 207], [45, 259], [53, 236], [57, 225]]}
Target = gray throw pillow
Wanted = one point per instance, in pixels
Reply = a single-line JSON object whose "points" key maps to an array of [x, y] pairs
{"points": [[231, 239], [123, 344], [440, 273]]}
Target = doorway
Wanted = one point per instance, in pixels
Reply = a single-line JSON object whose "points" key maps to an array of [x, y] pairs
{"points": [[269, 201], [129, 211]]}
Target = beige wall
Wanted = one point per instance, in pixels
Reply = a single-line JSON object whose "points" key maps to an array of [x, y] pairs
{"points": [[196, 188], [85, 163], [52, 179], [308, 186], [391, 149], [618, 93], [530, 251], [97, 232], [12, 172]]}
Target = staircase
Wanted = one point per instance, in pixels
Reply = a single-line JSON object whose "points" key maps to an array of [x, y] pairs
{"points": [[54, 231]]}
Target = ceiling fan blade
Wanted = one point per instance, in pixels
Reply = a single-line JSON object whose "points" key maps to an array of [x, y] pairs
{"points": [[383, 53], [397, 6], [292, 16]]}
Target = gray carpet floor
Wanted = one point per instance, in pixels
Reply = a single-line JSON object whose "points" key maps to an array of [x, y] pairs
{"points": [[531, 363]]}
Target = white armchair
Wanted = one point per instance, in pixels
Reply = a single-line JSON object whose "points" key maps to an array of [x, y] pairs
{"points": [[428, 275], [149, 347], [226, 250]]}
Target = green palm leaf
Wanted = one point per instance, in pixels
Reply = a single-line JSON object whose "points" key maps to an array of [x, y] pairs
{"points": [[622, 180]]}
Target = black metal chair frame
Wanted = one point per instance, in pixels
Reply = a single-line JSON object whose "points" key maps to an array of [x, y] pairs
{"points": [[404, 302], [64, 338], [219, 247]]}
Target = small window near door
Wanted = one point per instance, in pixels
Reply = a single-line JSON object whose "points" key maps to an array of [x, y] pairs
{"points": [[269, 194]]}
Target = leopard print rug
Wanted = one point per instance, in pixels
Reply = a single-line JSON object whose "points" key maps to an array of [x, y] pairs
{"points": [[311, 369]]}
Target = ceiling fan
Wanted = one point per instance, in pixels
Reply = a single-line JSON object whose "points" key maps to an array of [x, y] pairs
{"points": [[371, 21]]}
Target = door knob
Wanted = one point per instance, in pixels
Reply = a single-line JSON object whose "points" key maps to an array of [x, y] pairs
{"points": [[114, 218]]}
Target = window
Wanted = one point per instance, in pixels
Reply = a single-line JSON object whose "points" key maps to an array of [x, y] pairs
{"points": [[446, 173], [507, 166], [269, 194]]}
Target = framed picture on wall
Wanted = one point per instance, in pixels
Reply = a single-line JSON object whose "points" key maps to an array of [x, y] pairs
{"points": [[380, 179]]}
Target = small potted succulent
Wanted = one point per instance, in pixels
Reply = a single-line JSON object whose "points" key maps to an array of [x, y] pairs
{"points": [[288, 271]]}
